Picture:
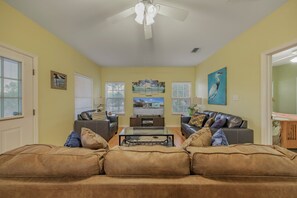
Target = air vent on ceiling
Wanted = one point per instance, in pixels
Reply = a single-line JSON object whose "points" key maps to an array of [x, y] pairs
{"points": [[195, 50]]}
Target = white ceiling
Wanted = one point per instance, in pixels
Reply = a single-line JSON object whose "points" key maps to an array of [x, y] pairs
{"points": [[210, 25], [284, 57]]}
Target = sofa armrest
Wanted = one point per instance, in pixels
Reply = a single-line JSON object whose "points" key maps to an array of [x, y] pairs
{"points": [[113, 118], [101, 127], [185, 119]]}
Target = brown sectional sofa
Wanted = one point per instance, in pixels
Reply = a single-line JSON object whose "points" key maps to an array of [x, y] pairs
{"points": [[149, 171]]}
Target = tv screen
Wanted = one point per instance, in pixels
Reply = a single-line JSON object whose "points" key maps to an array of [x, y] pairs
{"points": [[148, 106]]}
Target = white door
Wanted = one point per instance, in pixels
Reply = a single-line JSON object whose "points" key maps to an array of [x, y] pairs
{"points": [[16, 99]]}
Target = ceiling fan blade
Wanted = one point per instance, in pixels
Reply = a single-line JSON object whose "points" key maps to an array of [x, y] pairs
{"points": [[176, 13], [121, 15], [148, 34]]}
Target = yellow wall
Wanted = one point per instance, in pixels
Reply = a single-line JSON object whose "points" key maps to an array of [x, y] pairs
{"points": [[284, 80], [162, 74], [242, 57], [56, 107]]}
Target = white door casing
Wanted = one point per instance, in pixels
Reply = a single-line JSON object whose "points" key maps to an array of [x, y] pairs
{"points": [[266, 91], [21, 130]]}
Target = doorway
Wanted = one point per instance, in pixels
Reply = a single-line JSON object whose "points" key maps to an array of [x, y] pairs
{"points": [[268, 91], [18, 98]]}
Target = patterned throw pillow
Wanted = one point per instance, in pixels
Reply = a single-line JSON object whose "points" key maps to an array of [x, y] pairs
{"points": [[73, 140], [219, 139], [197, 120], [200, 138], [85, 116], [209, 122], [92, 140], [219, 123]]}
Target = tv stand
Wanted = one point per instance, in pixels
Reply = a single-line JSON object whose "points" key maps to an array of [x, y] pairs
{"points": [[146, 121]]}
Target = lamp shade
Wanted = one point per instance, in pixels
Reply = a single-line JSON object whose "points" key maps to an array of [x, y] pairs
{"points": [[99, 101]]}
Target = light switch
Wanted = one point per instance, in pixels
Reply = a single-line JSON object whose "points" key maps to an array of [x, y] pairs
{"points": [[235, 97]]}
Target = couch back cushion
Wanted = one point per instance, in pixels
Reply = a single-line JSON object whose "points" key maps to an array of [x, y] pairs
{"points": [[231, 120], [210, 114], [51, 161], [147, 161], [243, 160]]}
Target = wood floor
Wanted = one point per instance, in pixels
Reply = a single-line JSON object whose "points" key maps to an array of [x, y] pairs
{"points": [[178, 137]]}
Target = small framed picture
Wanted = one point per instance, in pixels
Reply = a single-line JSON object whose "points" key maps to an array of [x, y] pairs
{"points": [[58, 80]]}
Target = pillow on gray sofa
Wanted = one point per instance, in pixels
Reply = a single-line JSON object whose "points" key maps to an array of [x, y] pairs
{"points": [[234, 122], [219, 123], [219, 139], [85, 116]]}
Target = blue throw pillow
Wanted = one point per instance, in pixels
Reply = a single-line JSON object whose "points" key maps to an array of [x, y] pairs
{"points": [[219, 123], [73, 140], [219, 139]]}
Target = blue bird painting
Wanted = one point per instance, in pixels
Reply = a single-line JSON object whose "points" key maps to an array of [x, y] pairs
{"points": [[217, 87]]}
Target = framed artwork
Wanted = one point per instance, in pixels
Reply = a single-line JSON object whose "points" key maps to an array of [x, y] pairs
{"points": [[217, 87], [58, 80], [148, 87]]}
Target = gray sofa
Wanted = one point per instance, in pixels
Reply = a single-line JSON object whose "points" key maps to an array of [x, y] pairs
{"points": [[105, 128], [239, 133]]}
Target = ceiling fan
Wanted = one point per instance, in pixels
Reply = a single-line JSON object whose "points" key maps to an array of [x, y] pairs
{"points": [[145, 11]]}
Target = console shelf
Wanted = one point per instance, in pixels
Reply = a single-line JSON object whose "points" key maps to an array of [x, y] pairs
{"points": [[146, 121]]}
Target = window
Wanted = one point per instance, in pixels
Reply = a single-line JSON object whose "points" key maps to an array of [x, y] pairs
{"points": [[10, 88], [181, 97], [115, 97], [83, 94]]}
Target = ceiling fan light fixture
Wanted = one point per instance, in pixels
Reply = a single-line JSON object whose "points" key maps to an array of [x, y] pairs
{"points": [[149, 20], [139, 10], [151, 10], [139, 19]]}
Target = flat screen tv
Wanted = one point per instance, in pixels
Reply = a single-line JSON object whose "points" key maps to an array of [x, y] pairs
{"points": [[148, 106]]}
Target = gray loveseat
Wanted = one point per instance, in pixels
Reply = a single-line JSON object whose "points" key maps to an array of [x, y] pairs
{"points": [[106, 128], [236, 133]]}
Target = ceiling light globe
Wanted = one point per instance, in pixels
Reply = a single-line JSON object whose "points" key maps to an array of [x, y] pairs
{"points": [[139, 19], [139, 8], [151, 11]]}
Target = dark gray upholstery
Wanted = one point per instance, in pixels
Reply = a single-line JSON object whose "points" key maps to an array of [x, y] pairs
{"points": [[235, 128], [105, 128]]}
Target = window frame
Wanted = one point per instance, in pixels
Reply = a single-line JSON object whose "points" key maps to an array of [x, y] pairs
{"points": [[20, 80], [180, 98], [107, 98]]}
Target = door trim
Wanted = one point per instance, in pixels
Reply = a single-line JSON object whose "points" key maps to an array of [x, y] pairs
{"points": [[35, 85], [266, 91]]}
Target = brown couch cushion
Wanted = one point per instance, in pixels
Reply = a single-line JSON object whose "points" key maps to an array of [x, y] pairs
{"points": [[243, 160], [199, 138], [51, 161], [147, 160], [91, 140]]}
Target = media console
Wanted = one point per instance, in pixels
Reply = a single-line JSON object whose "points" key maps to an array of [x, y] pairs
{"points": [[146, 121]]}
